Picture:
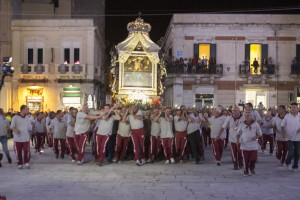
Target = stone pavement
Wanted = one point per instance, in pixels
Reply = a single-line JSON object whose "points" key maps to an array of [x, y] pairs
{"points": [[51, 179]]}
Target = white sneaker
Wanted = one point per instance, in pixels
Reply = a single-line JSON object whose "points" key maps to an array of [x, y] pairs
{"points": [[27, 165], [286, 167], [138, 163], [149, 161], [73, 160], [80, 162], [295, 170], [181, 162], [20, 166], [143, 161], [167, 162], [172, 160], [115, 160]]}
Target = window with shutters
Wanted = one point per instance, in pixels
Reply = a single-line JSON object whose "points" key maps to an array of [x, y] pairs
{"points": [[34, 49], [71, 49], [205, 50], [256, 54]]}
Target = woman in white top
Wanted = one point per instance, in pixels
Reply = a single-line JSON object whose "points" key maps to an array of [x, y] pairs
{"points": [[247, 134]]}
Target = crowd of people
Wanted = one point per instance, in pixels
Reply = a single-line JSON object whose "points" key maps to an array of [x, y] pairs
{"points": [[193, 65], [118, 133]]}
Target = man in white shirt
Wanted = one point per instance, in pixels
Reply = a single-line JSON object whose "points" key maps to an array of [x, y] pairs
{"points": [[155, 141], [105, 131], [137, 134], [218, 134], [123, 135], [194, 135], [247, 134], [49, 134], [180, 124], [39, 131], [19, 126], [280, 140], [71, 134], [166, 134], [232, 122], [291, 130], [59, 127], [82, 127]]}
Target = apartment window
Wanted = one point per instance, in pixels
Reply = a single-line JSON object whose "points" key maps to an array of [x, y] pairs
{"points": [[257, 52], [76, 54], [40, 56], [298, 51], [30, 56], [205, 50], [67, 55]]}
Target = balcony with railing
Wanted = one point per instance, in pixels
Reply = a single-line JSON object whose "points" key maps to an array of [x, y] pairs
{"points": [[295, 70], [267, 70], [209, 70]]}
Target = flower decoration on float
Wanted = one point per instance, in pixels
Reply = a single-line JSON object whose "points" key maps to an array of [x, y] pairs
{"points": [[141, 99]]}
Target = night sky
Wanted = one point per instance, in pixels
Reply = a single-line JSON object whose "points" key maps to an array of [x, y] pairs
{"points": [[159, 12]]}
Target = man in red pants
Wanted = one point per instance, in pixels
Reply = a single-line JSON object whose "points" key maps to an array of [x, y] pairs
{"points": [[247, 134], [233, 123], [137, 134], [155, 141], [82, 127], [123, 135], [280, 140], [70, 133], [166, 134], [39, 131], [21, 137], [104, 131], [180, 124], [218, 134]]}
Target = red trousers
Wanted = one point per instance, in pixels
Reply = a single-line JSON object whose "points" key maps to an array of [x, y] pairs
{"points": [[154, 147], [218, 146], [270, 139], [101, 146], [121, 147], [62, 146], [50, 139], [80, 144], [22, 150], [180, 142], [236, 155], [167, 144], [138, 139], [281, 150], [249, 159], [72, 147], [39, 139]]}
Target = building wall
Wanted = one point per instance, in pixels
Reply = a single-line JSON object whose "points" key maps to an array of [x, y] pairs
{"points": [[230, 33]]}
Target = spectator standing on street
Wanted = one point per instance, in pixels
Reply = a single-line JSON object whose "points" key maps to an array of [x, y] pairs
{"points": [[4, 127], [19, 126]]}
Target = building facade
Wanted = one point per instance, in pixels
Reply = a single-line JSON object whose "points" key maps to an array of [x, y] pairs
{"points": [[229, 45], [58, 52]]}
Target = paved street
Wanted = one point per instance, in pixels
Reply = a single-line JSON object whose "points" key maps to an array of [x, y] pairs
{"points": [[50, 178]]}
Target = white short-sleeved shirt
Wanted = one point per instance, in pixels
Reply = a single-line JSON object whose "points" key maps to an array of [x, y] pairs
{"points": [[20, 123], [40, 126], [166, 127], [135, 123], [277, 123], [30, 120], [105, 126], [292, 126], [59, 128], [124, 128], [247, 132], [4, 126], [255, 116], [82, 125], [155, 128], [193, 126], [265, 123], [180, 125], [70, 126], [216, 124], [233, 124]]}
